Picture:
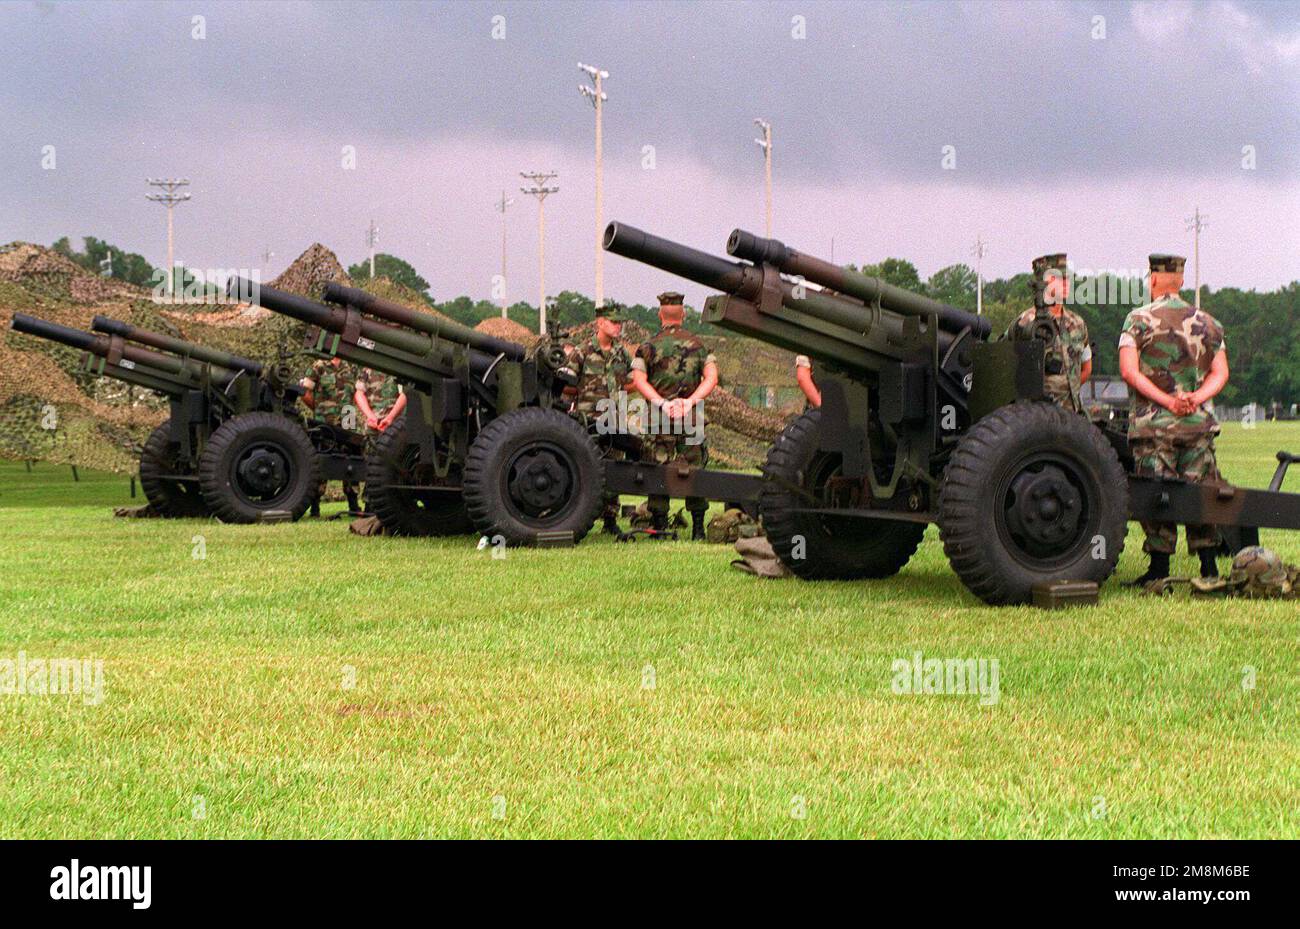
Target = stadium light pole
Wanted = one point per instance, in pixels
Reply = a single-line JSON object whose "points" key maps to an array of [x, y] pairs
{"points": [[169, 198], [765, 144], [596, 94], [540, 188], [501, 208]]}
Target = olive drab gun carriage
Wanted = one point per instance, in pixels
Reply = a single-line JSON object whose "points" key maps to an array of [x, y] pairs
{"points": [[233, 446], [923, 420], [485, 443]]}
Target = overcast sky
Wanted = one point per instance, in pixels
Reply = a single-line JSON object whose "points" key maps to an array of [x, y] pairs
{"points": [[1063, 139]]}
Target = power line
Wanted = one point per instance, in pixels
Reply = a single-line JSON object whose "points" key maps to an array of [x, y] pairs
{"points": [[169, 198], [501, 208], [978, 250], [540, 188], [1194, 225]]}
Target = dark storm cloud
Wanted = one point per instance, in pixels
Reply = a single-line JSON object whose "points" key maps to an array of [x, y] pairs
{"points": [[1024, 91]]}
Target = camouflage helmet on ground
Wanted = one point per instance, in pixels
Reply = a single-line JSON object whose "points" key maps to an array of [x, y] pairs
{"points": [[1259, 572]]}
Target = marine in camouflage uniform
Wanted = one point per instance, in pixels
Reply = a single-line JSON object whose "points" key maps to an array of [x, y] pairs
{"points": [[675, 363], [329, 386], [1176, 345], [381, 392], [1067, 355], [602, 373]]}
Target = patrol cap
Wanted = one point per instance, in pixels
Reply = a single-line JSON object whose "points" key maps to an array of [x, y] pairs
{"points": [[612, 311], [671, 298], [1043, 263], [1170, 263]]}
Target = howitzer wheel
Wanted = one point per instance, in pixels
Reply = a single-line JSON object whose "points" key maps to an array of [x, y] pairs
{"points": [[533, 470], [159, 460], [391, 468], [816, 547], [255, 463], [1032, 493]]}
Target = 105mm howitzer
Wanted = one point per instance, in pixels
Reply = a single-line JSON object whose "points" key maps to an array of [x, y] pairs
{"points": [[923, 420], [233, 446], [486, 441]]}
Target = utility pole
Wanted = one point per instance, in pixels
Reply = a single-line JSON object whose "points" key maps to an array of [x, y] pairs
{"points": [[169, 198], [372, 239], [1194, 225], [597, 96], [267, 255], [501, 208], [978, 250], [539, 188], [765, 144]]}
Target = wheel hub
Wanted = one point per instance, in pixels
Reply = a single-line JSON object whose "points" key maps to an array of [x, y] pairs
{"points": [[262, 472], [540, 482], [1044, 510]]}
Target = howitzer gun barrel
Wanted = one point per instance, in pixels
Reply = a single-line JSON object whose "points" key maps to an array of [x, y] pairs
{"points": [[423, 322], [837, 329], [438, 356], [175, 346], [186, 374], [868, 289]]}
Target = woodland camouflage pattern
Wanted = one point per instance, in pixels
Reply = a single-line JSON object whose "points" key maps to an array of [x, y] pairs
{"points": [[601, 374], [332, 389], [1259, 572], [673, 361], [1176, 344], [380, 389], [1066, 354]]}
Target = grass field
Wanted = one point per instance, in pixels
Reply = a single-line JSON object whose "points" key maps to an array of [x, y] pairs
{"points": [[300, 681]]}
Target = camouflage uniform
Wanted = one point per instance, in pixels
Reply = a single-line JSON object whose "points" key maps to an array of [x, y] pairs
{"points": [[1176, 344], [602, 375], [1063, 359], [1067, 348], [332, 389], [381, 392], [674, 361]]}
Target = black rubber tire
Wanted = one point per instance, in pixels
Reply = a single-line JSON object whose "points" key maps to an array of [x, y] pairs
{"points": [[847, 548], [172, 499], [488, 472], [227, 497], [976, 491], [393, 461]]}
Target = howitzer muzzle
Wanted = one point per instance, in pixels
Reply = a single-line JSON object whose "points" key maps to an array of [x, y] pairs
{"points": [[53, 332], [863, 287], [439, 358], [185, 373], [423, 322], [175, 346]]}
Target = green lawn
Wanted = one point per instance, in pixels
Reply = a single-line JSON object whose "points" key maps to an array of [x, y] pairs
{"points": [[300, 681]]}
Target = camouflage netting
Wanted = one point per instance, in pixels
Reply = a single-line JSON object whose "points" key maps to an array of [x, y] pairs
{"points": [[51, 411]]}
